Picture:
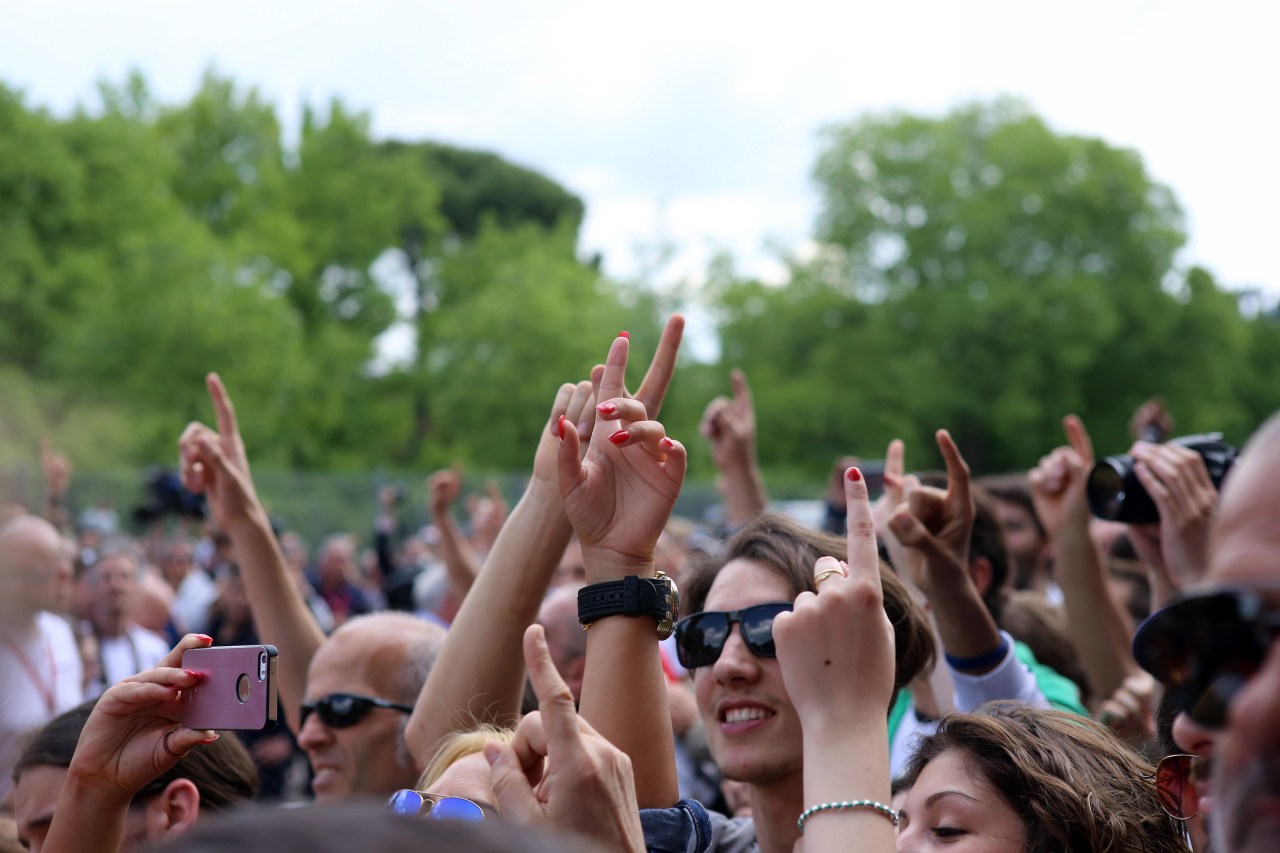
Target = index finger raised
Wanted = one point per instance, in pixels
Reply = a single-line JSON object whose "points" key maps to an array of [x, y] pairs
{"points": [[222, 406], [957, 468], [863, 553], [1078, 437], [555, 699]]}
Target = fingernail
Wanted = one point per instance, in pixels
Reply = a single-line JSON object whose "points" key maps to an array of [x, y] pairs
{"points": [[562, 419], [667, 444], [620, 437], [209, 739], [492, 754], [624, 334], [607, 408], [193, 673], [854, 475], [205, 637]]}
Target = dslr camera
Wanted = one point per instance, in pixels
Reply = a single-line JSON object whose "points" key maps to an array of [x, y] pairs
{"points": [[1115, 494]]}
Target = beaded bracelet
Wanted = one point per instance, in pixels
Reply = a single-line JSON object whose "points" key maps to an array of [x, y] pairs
{"points": [[847, 805]]}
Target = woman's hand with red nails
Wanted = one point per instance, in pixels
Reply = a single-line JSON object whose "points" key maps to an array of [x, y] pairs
{"points": [[621, 493]]}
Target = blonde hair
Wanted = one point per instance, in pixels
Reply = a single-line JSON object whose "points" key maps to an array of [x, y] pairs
{"points": [[459, 745]]}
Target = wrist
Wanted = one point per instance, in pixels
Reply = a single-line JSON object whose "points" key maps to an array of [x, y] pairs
{"points": [[605, 564], [88, 788]]}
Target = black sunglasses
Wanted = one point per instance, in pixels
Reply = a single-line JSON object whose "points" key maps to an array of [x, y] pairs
{"points": [[701, 637], [343, 710], [1205, 647]]}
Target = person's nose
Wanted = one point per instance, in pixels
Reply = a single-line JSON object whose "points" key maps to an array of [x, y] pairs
{"points": [[736, 662], [314, 734]]}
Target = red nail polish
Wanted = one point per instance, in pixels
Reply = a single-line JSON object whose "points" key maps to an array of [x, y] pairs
{"points": [[562, 419], [624, 334], [668, 444], [193, 673], [606, 408], [854, 475], [620, 436], [209, 740], [205, 637]]}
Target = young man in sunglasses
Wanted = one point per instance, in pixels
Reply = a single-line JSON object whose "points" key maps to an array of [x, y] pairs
{"points": [[1217, 653]]}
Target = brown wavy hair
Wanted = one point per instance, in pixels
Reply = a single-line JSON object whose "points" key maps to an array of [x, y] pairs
{"points": [[792, 549], [1071, 781]]}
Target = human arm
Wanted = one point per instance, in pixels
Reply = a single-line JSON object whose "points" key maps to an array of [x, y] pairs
{"points": [[730, 426], [836, 652], [133, 735], [480, 670], [215, 464], [1096, 623], [459, 558], [618, 499], [935, 527], [558, 772]]}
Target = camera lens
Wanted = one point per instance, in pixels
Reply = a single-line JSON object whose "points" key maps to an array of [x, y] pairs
{"points": [[1106, 490]]}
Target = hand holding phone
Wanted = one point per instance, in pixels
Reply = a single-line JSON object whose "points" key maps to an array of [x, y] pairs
{"points": [[237, 688]]}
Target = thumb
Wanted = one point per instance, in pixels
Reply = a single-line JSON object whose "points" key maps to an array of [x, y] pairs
{"points": [[912, 533], [511, 787], [568, 457]]}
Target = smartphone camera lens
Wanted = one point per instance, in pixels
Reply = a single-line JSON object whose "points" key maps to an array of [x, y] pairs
{"points": [[262, 666]]}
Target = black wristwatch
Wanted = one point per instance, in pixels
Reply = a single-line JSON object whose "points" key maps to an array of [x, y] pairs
{"points": [[632, 596]]}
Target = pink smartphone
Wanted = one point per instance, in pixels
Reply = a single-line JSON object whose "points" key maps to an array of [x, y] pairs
{"points": [[237, 689]]}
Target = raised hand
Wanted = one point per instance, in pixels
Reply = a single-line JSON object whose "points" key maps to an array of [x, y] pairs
{"points": [[1179, 485], [730, 426], [835, 647], [621, 493], [134, 733], [214, 463], [443, 489], [1058, 482], [558, 772], [657, 379], [936, 525], [57, 469]]}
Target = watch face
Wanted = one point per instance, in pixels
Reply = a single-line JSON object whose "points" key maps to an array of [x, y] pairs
{"points": [[667, 623]]}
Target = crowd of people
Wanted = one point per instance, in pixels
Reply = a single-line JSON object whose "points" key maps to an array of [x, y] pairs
{"points": [[975, 663]]}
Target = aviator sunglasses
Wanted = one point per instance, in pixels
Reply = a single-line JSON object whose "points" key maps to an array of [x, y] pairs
{"points": [[1205, 647], [343, 710], [435, 806], [1178, 781], [701, 637]]}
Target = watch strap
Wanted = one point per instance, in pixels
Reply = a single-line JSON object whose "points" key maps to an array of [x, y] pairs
{"points": [[630, 596]]}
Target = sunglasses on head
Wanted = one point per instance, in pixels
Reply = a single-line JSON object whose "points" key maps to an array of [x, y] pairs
{"points": [[701, 637], [1205, 647], [1178, 781], [434, 806], [342, 710]]}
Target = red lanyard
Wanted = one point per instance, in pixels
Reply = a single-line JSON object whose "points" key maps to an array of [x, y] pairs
{"points": [[48, 692]]}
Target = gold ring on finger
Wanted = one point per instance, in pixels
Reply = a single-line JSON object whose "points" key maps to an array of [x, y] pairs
{"points": [[817, 581]]}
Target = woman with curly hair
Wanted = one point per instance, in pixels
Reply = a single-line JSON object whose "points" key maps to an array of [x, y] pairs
{"points": [[1025, 780]]}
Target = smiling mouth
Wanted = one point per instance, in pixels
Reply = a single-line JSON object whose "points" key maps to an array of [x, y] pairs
{"points": [[745, 715]]}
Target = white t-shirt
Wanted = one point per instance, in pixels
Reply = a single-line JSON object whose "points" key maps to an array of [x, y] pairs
{"points": [[40, 677], [138, 649]]}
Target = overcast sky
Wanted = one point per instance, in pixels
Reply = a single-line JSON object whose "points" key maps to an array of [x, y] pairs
{"points": [[696, 122]]}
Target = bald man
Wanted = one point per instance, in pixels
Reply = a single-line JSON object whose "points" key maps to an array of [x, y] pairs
{"points": [[1244, 552], [40, 670]]}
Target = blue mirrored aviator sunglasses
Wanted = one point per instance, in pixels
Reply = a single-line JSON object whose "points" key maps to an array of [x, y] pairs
{"points": [[435, 806], [700, 638]]}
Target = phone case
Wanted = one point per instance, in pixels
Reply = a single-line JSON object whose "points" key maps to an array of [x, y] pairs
{"points": [[237, 689]]}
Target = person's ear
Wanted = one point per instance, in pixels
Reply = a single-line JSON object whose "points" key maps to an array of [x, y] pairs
{"points": [[174, 810], [980, 573]]}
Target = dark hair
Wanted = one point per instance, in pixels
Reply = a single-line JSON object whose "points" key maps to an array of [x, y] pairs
{"points": [[1072, 782], [791, 550], [1013, 489], [222, 771], [359, 826], [987, 541]]}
